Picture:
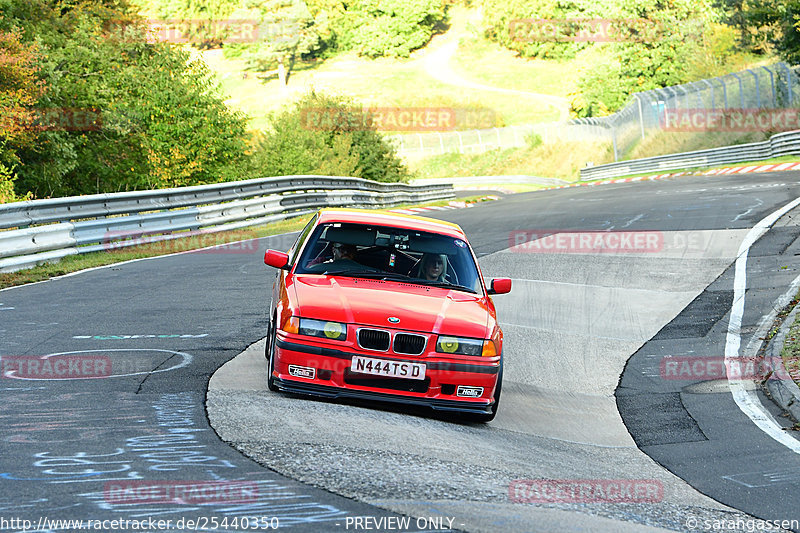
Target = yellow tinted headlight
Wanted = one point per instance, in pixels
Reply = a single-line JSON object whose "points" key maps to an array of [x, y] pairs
{"points": [[459, 345], [320, 328]]}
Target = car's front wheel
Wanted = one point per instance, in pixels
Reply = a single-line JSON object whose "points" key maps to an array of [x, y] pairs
{"points": [[269, 352], [488, 417]]}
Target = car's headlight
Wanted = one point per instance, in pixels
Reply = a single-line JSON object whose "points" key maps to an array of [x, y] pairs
{"points": [[321, 328], [460, 345]]}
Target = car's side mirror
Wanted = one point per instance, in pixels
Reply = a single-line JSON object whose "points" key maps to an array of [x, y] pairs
{"points": [[276, 259], [500, 286]]}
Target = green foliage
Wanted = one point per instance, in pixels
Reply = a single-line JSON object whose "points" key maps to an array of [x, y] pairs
{"points": [[7, 192], [288, 32], [160, 121], [533, 140], [506, 24], [641, 44], [20, 88], [388, 28], [766, 26], [340, 143]]}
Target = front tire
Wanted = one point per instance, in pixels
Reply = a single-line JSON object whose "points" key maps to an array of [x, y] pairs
{"points": [[269, 353], [488, 417]]}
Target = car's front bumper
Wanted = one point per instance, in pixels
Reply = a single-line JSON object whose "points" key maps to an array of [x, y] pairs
{"points": [[312, 389], [333, 379]]}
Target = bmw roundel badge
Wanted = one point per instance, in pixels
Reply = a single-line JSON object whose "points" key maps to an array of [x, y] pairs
{"points": [[394, 320]]}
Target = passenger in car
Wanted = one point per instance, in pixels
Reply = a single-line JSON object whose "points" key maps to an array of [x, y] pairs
{"points": [[433, 267], [337, 251], [343, 251]]}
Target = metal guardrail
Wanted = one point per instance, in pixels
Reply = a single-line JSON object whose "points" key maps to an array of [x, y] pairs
{"points": [[39, 231], [781, 144]]}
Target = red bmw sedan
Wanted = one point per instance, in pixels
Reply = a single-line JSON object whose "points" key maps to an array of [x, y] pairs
{"points": [[379, 306]]}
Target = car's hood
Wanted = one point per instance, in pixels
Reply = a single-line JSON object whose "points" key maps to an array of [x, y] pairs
{"points": [[372, 302]]}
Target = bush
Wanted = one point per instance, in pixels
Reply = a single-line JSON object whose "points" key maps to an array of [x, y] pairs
{"points": [[328, 136]]}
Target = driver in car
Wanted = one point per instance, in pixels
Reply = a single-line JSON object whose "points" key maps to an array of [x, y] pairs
{"points": [[433, 267]]}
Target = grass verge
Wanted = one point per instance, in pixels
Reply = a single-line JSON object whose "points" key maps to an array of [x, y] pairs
{"points": [[790, 353], [562, 160]]}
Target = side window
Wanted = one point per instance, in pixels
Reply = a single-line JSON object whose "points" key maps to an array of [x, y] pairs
{"points": [[301, 239]]}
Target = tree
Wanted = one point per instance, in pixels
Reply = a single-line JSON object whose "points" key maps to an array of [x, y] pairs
{"points": [[388, 28], [287, 32], [158, 119], [766, 25], [20, 89], [326, 135]]}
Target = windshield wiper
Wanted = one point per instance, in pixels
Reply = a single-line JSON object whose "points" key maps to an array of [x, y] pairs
{"points": [[444, 285], [370, 274]]}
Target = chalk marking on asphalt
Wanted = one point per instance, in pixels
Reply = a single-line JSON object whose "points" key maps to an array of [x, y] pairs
{"points": [[747, 400], [187, 360]]}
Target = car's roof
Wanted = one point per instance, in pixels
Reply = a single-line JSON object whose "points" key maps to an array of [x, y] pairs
{"points": [[387, 218]]}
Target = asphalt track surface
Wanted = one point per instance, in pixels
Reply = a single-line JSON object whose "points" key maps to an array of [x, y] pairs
{"points": [[154, 332]]}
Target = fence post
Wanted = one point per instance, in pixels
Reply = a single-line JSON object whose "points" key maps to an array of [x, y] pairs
{"points": [[758, 89], [789, 99], [772, 85], [741, 90], [641, 115], [685, 96], [712, 92]]}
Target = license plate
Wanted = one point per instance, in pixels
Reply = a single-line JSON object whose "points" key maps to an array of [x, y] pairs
{"points": [[384, 367]]}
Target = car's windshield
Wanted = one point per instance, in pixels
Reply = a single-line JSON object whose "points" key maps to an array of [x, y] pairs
{"points": [[390, 253]]}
